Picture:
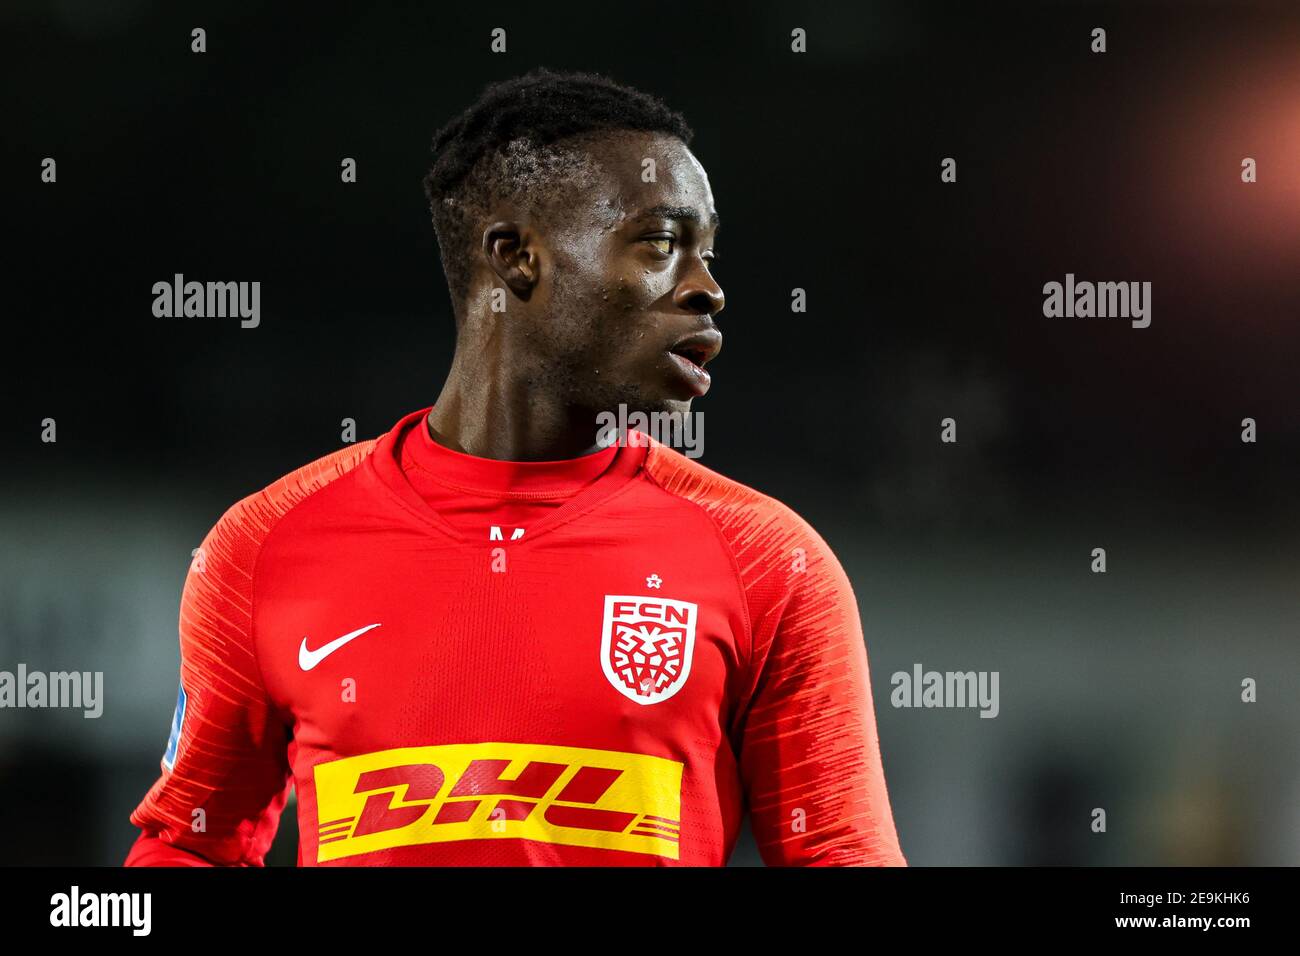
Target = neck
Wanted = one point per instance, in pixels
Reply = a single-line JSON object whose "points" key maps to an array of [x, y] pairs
{"points": [[484, 411]]}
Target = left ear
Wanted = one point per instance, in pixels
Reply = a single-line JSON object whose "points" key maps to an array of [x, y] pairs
{"points": [[511, 256]]}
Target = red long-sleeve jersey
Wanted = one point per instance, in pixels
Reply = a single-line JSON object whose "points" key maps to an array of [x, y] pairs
{"points": [[461, 662]]}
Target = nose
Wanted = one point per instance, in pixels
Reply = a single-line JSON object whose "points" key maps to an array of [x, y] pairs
{"points": [[699, 292]]}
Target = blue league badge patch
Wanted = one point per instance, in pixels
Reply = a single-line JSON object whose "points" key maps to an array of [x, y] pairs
{"points": [[178, 724]]}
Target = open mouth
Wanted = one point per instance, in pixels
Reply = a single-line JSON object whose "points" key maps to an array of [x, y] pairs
{"points": [[696, 355], [698, 348], [690, 354]]}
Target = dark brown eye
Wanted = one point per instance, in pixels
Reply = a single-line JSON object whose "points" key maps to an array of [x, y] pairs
{"points": [[666, 248]]}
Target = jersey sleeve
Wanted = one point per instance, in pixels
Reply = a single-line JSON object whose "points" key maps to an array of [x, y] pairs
{"points": [[225, 775], [809, 753]]}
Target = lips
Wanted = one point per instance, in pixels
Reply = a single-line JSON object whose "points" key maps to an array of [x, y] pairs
{"points": [[698, 348], [689, 355]]}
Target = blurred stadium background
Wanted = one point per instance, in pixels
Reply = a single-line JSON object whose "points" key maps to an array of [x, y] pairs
{"points": [[1119, 691]]}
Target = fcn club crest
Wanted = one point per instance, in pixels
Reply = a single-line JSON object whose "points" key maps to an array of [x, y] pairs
{"points": [[646, 645]]}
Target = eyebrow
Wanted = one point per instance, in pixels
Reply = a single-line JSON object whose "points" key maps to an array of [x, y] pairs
{"points": [[685, 213]]}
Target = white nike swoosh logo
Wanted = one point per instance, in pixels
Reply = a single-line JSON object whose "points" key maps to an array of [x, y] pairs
{"points": [[309, 659]]}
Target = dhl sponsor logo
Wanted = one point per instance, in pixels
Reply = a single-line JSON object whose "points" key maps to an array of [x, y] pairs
{"points": [[566, 795]]}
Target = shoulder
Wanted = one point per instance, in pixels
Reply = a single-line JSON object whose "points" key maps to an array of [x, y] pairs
{"points": [[756, 526], [241, 531], [792, 582]]}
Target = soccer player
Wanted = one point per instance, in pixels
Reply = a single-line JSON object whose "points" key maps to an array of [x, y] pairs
{"points": [[484, 638]]}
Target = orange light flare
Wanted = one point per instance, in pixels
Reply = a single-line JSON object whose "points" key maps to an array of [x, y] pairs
{"points": [[1241, 103]]}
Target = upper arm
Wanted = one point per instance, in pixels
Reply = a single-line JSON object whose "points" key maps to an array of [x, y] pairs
{"points": [[810, 756], [225, 776]]}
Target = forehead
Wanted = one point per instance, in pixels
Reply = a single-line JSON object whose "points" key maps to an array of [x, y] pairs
{"points": [[626, 187]]}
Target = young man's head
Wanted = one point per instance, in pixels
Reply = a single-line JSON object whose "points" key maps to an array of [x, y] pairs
{"points": [[575, 204]]}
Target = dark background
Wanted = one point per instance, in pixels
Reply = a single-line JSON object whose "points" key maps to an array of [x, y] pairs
{"points": [[1119, 691]]}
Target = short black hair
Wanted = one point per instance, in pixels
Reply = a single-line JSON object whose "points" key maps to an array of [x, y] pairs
{"points": [[499, 148]]}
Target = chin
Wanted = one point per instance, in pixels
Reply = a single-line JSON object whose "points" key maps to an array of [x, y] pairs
{"points": [[652, 405], [681, 406]]}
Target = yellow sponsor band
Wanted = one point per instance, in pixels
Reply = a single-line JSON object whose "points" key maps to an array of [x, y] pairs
{"points": [[564, 795]]}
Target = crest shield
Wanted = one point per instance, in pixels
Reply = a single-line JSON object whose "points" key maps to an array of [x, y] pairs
{"points": [[646, 645]]}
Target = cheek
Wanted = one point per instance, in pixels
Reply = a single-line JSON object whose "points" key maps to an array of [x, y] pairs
{"points": [[621, 292], [626, 294], [635, 288]]}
